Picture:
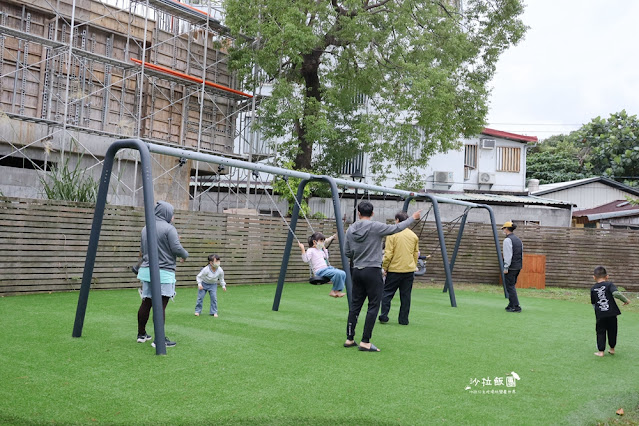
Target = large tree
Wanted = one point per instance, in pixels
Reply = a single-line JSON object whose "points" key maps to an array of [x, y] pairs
{"points": [[613, 146], [602, 147], [558, 158], [397, 79]]}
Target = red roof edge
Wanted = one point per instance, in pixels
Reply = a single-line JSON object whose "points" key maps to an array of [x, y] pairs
{"points": [[507, 135]]}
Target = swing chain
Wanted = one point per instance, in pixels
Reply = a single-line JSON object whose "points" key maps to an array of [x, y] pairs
{"points": [[299, 205], [450, 227], [278, 209]]}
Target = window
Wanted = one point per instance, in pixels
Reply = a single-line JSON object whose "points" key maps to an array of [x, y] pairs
{"points": [[470, 160], [354, 165], [470, 156], [508, 159], [25, 163]]}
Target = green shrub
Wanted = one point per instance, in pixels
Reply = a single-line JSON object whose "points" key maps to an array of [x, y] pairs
{"points": [[66, 184]]}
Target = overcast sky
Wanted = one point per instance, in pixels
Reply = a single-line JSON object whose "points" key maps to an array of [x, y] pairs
{"points": [[578, 60]]}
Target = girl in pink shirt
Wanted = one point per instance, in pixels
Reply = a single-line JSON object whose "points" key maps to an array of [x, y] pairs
{"points": [[317, 256]]}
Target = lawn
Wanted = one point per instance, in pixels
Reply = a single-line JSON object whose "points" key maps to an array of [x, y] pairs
{"points": [[255, 366]]}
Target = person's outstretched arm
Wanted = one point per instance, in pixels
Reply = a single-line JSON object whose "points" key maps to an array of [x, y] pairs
{"points": [[383, 229]]}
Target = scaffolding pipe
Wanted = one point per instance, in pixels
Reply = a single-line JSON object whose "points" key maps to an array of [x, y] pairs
{"points": [[189, 77], [201, 97]]}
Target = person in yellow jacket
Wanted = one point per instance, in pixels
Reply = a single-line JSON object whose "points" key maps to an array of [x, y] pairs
{"points": [[399, 266]]}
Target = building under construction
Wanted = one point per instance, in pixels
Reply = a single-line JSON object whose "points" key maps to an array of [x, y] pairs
{"points": [[75, 75]]}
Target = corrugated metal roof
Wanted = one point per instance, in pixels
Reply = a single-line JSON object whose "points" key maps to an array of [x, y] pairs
{"points": [[610, 215], [560, 186], [508, 199]]}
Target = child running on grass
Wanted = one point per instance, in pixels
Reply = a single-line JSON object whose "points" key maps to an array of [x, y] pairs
{"points": [[207, 280], [317, 255], [602, 296]]}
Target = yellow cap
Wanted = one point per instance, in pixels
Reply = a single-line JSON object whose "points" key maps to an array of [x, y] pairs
{"points": [[508, 224]]}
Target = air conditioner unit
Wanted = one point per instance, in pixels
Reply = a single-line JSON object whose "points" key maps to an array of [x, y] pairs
{"points": [[487, 143], [487, 178], [443, 177]]}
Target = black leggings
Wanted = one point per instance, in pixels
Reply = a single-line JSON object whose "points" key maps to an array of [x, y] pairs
{"points": [[367, 282], [606, 326], [145, 310]]}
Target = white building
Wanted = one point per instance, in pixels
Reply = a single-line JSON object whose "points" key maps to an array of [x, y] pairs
{"points": [[492, 161]]}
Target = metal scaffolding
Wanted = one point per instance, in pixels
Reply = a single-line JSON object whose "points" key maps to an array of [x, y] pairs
{"points": [[74, 75]]}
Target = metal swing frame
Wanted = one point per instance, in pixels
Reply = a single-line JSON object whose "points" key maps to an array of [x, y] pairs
{"points": [[145, 150]]}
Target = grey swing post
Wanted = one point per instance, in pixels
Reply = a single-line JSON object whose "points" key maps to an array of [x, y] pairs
{"points": [[291, 234], [94, 238], [313, 278], [448, 265]]}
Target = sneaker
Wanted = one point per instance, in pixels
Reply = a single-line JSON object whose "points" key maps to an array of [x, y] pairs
{"points": [[508, 307], [169, 344], [514, 309], [143, 338], [383, 319], [197, 314]]}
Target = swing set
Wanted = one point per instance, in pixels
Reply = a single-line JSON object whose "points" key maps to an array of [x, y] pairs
{"points": [[145, 150]]}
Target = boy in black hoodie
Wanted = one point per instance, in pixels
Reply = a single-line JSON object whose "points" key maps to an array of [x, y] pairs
{"points": [[602, 297], [364, 248]]}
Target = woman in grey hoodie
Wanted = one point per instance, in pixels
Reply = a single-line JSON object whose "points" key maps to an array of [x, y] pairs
{"points": [[169, 249], [364, 248]]}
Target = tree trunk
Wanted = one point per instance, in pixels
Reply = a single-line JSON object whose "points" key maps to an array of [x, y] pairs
{"points": [[309, 70]]}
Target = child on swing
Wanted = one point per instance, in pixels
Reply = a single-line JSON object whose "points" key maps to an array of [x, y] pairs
{"points": [[317, 256]]}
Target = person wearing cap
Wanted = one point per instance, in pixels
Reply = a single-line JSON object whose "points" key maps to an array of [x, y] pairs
{"points": [[513, 261]]}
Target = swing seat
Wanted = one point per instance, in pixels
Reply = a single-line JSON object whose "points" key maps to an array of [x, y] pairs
{"points": [[317, 280], [421, 267]]}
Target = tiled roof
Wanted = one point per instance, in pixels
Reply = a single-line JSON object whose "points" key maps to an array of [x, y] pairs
{"points": [[613, 207], [508, 135]]}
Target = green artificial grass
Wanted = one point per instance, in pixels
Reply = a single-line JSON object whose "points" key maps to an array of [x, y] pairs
{"points": [[256, 366]]}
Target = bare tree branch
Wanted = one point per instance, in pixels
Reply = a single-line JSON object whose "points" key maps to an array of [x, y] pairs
{"points": [[375, 5], [338, 8], [311, 19], [375, 12]]}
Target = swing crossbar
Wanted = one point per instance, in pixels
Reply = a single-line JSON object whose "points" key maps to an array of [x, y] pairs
{"points": [[231, 162]]}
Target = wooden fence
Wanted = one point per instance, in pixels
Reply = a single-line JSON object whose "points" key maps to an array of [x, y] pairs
{"points": [[571, 254], [43, 247]]}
